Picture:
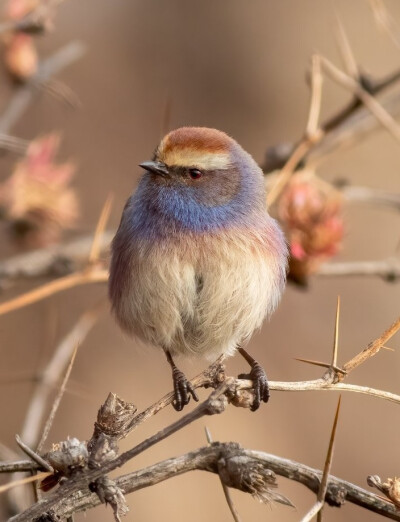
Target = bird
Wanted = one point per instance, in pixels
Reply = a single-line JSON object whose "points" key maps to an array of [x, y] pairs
{"points": [[197, 262]]}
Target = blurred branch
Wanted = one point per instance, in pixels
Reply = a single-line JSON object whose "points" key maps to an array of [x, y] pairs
{"points": [[98, 239], [19, 465], [51, 375], [13, 144], [52, 260], [36, 21], [349, 61], [388, 269], [369, 195], [83, 277], [359, 87], [355, 87], [23, 96], [386, 21], [349, 125]]}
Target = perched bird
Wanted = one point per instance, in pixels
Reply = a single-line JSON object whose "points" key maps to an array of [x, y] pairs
{"points": [[197, 262]]}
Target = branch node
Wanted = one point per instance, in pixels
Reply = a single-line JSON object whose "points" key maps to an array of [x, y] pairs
{"points": [[109, 493], [68, 456]]}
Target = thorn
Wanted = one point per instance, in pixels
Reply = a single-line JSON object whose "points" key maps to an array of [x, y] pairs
{"points": [[208, 435], [328, 461], [336, 335], [322, 364]]}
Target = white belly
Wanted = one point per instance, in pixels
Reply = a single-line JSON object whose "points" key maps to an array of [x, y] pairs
{"points": [[203, 300]]}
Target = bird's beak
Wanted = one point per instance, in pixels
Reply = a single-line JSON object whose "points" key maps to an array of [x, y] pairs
{"points": [[156, 167]]}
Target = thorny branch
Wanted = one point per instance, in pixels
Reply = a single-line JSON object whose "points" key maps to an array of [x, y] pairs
{"points": [[289, 157], [207, 458], [116, 419]]}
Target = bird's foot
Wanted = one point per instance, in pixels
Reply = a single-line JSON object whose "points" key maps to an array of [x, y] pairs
{"points": [[260, 384], [183, 389]]}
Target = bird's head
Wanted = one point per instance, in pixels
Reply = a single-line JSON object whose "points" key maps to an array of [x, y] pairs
{"points": [[203, 175]]}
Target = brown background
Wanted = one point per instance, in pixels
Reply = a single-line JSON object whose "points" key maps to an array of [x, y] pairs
{"points": [[237, 66]]}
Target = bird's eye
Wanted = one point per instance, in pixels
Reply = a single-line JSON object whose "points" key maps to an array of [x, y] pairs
{"points": [[195, 173]]}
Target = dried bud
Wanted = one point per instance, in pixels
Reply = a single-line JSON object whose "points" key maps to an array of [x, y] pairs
{"points": [[310, 211], [391, 488], [394, 490], [21, 56], [242, 399], [17, 9], [251, 476], [115, 417], [36, 199], [68, 456]]}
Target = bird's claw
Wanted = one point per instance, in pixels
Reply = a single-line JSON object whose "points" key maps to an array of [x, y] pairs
{"points": [[260, 384], [183, 389]]}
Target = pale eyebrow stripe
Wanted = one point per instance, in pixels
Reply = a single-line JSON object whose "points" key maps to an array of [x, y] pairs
{"points": [[196, 158]]}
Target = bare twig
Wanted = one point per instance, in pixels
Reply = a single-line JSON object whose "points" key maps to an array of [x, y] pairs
{"points": [[58, 398], [33, 455], [322, 385], [373, 348]]}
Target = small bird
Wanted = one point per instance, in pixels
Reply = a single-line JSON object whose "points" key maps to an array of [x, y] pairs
{"points": [[197, 262]]}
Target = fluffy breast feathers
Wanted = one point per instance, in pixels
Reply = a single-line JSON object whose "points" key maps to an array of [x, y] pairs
{"points": [[198, 294]]}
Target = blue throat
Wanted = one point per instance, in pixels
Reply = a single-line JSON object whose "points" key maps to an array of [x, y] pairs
{"points": [[154, 211]]}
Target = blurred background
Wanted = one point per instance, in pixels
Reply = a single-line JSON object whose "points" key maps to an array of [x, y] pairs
{"points": [[239, 67]]}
